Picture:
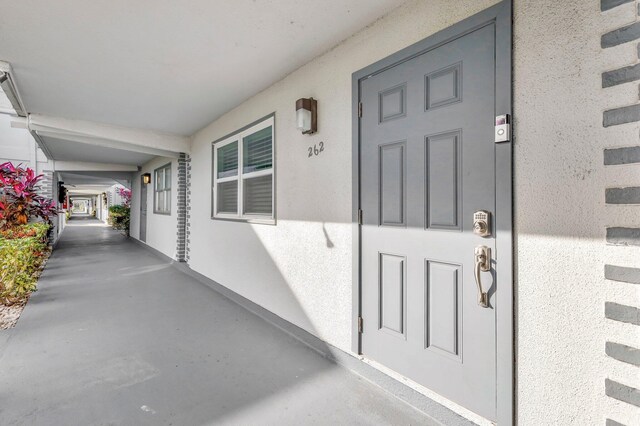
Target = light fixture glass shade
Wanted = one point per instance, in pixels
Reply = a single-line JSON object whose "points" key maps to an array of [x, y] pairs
{"points": [[307, 115], [146, 178], [303, 119]]}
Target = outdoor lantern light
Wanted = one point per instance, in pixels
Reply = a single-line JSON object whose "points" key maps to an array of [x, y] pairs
{"points": [[146, 178], [307, 115]]}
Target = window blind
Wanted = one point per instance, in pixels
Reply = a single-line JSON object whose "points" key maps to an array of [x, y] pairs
{"points": [[228, 197], [257, 151], [228, 160], [258, 195]]}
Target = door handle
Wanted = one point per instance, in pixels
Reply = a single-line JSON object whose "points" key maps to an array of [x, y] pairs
{"points": [[482, 257]]}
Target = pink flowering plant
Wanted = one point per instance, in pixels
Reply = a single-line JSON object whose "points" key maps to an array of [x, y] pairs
{"points": [[23, 245], [19, 198], [119, 214], [125, 194]]}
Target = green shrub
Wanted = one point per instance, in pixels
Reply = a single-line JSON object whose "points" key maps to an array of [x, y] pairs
{"points": [[119, 217], [23, 249]]}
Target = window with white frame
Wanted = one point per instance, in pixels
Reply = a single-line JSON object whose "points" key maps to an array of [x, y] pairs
{"points": [[243, 174], [162, 190]]}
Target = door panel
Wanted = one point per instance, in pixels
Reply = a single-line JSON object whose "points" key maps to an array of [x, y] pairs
{"points": [[392, 184], [427, 163], [392, 291], [443, 183], [443, 302]]}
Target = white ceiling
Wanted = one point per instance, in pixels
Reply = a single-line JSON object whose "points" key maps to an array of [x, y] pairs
{"points": [[65, 150], [169, 66], [93, 182]]}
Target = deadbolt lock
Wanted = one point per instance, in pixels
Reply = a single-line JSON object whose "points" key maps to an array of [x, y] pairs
{"points": [[482, 223]]}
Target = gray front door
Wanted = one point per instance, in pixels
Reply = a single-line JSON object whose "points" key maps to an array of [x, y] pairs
{"points": [[143, 211], [427, 163]]}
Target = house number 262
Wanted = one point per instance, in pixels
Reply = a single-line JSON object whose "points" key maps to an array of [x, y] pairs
{"points": [[316, 149]]}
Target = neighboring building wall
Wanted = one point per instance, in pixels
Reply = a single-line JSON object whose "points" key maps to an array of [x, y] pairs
{"points": [[48, 188], [113, 196], [161, 229], [301, 269], [61, 220], [18, 147]]}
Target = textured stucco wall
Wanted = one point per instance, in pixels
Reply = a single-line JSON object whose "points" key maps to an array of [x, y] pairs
{"points": [[301, 269], [161, 229], [560, 213]]}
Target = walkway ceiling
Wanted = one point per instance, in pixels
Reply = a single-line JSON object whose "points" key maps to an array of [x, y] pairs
{"points": [[93, 182], [170, 67], [62, 149]]}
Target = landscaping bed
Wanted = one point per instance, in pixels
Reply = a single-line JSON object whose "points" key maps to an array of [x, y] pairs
{"points": [[24, 251], [25, 221], [9, 315]]}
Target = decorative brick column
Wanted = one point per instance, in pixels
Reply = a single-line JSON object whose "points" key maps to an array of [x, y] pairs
{"points": [[188, 211], [46, 184], [622, 158], [183, 184]]}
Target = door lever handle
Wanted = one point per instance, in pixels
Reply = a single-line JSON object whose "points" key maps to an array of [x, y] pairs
{"points": [[482, 256]]}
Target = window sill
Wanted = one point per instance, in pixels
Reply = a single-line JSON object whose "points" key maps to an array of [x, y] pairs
{"points": [[252, 220], [162, 214]]}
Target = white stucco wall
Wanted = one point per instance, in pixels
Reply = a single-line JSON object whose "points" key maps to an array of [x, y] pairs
{"points": [[301, 269], [161, 228], [18, 146], [561, 216]]}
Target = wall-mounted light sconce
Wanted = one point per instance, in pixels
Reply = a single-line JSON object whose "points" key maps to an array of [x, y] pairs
{"points": [[307, 115], [146, 178]]}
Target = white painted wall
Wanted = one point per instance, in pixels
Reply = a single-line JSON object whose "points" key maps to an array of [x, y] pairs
{"points": [[561, 216], [101, 208], [18, 146], [301, 268], [114, 196], [161, 229]]}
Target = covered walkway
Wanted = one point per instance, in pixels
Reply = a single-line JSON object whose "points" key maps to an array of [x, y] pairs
{"points": [[118, 336]]}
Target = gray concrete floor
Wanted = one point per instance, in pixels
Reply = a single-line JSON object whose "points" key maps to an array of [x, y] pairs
{"points": [[117, 336]]}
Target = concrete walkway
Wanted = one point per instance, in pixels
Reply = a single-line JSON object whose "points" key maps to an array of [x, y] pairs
{"points": [[117, 336]]}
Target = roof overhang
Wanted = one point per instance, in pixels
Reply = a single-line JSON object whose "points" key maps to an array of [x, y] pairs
{"points": [[82, 141]]}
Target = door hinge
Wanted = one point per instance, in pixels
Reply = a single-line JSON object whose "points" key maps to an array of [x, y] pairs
{"points": [[359, 324], [359, 216], [359, 109]]}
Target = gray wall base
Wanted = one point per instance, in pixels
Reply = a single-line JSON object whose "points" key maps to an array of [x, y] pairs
{"points": [[435, 411]]}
